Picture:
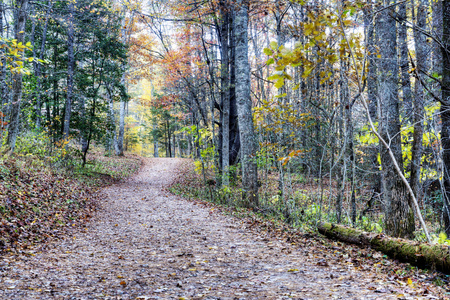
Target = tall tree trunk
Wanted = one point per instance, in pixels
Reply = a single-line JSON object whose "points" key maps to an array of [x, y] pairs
{"points": [[235, 142], [244, 106], [398, 219], [349, 148], [225, 92], [121, 128], [437, 32], [421, 66], [342, 175], [111, 144], [19, 33], [70, 70], [155, 141], [37, 68], [404, 60], [445, 110], [372, 92], [3, 95], [84, 129], [120, 146], [369, 25]]}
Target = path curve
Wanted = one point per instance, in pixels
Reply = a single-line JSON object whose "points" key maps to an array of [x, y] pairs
{"points": [[148, 244]]}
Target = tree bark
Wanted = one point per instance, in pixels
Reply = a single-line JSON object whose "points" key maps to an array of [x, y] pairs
{"points": [[437, 32], [445, 110], [421, 66], [111, 144], [244, 106], [120, 147], [121, 129], [19, 33], [70, 70], [155, 142], [3, 96], [225, 92], [404, 60], [235, 142], [419, 254], [399, 218], [37, 68]]}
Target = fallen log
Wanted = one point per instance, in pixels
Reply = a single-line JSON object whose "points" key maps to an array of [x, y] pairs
{"points": [[422, 255]]}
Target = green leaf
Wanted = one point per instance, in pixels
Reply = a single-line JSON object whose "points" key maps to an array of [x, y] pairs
{"points": [[268, 52], [274, 45], [307, 71], [279, 83], [273, 77], [270, 61]]}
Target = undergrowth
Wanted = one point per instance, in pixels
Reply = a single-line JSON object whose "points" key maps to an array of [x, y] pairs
{"points": [[190, 185], [302, 209]]}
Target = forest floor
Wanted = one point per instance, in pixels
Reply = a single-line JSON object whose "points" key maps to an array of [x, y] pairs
{"points": [[145, 243]]}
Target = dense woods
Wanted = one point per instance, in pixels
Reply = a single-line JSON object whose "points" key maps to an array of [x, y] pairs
{"points": [[304, 110]]}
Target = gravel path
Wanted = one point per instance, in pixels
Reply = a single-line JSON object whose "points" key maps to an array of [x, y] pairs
{"points": [[148, 244]]}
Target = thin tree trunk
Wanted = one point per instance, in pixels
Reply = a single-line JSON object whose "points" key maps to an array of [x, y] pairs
{"points": [[155, 141], [19, 33], [244, 106], [37, 68], [372, 92], [3, 96], [404, 60], [421, 66], [111, 144], [70, 70], [84, 129], [120, 146], [437, 32], [225, 93], [235, 142]]}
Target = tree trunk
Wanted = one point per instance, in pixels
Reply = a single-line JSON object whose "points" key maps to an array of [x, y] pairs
{"points": [[225, 92], [421, 66], [399, 218], [349, 149], [155, 142], [437, 32], [121, 129], [372, 92], [70, 70], [19, 33], [120, 147], [84, 129], [111, 143], [244, 106], [419, 254], [37, 68], [445, 111], [235, 142], [404, 60], [3, 95]]}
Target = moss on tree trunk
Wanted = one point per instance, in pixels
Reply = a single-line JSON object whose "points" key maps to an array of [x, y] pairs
{"points": [[419, 254]]}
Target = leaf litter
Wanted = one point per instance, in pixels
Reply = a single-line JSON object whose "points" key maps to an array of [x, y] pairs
{"points": [[145, 243]]}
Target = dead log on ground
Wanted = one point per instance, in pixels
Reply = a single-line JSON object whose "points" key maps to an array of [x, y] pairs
{"points": [[422, 255]]}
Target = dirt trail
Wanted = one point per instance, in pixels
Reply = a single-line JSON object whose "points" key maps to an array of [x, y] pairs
{"points": [[147, 244]]}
